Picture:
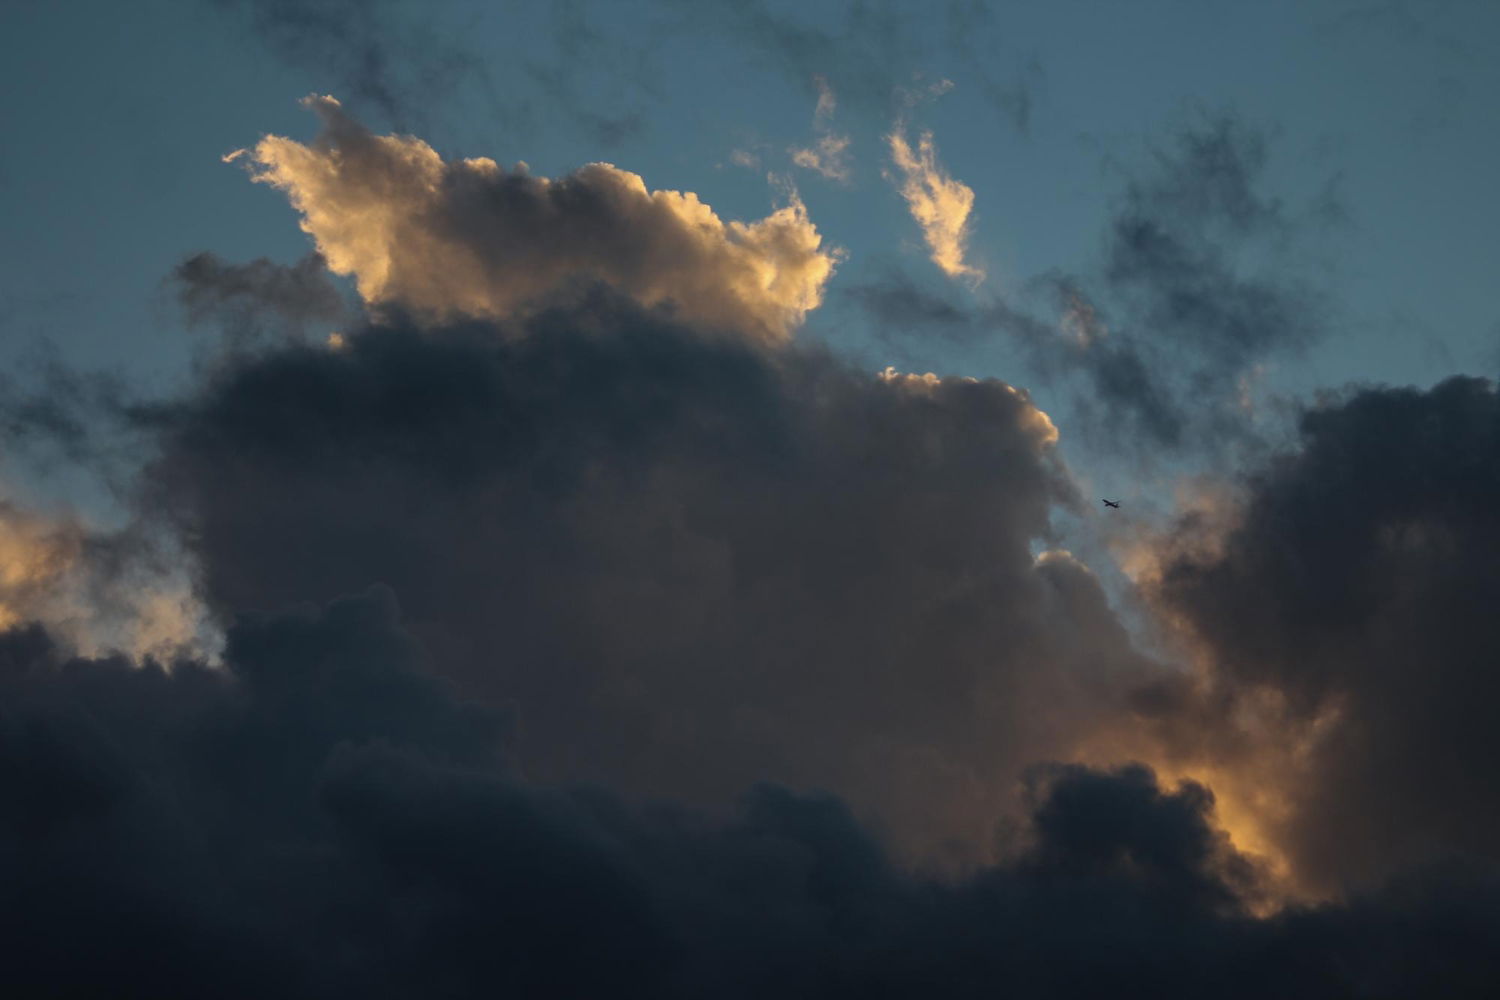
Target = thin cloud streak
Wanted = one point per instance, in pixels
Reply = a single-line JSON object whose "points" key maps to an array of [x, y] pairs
{"points": [[940, 204]]}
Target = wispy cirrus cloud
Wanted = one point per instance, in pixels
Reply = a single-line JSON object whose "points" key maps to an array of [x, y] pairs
{"points": [[940, 204]]}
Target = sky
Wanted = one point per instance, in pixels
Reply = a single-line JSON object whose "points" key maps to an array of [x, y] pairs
{"points": [[555, 497]]}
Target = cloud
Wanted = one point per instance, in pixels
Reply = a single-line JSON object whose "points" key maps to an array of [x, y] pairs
{"points": [[469, 238], [321, 818], [711, 654], [244, 299], [101, 593], [1348, 595], [829, 155], [712, 565], [1202, 284], [939, 204]]}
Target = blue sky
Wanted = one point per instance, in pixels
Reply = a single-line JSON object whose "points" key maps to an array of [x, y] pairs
{"points": [[117, 117], [1380, 141]]}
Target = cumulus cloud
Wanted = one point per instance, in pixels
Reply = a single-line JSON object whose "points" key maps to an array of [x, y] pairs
{"points": [[469, 238], [711, 565], [708, 651], [323, 818], [1343, 607], [1204, 280], [940, 204]]}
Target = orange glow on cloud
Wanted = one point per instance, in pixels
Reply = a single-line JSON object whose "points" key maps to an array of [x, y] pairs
{"points": [[49, 575], [940, 204], [449, 238]]}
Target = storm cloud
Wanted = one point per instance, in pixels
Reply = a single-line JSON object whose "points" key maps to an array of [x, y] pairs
{"points": [[248, 301], [709, 564], [324, 818], [1357, 587], [584, 632]]}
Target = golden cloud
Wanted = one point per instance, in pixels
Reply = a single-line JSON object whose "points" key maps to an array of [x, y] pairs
{"points": [[453, 238], [940, 204]]}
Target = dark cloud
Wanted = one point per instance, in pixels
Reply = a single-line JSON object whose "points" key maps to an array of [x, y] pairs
{"points": [[714, 645], [1359, 589], [900, 307], [1200, 285], [244, 300], [1171, 251], [320, 817], [707, 564]]}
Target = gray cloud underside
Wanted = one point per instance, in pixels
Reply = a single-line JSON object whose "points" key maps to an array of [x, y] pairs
{"points": [[643, 571], [710, 564], [1361, 586], [246, 301], [669, 566], [323, 818]]}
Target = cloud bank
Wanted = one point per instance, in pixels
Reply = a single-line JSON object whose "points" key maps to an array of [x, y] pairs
{"points": [[322, 818], [712, 565], [572, 645]]}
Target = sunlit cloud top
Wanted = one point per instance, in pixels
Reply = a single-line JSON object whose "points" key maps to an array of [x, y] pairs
{"points": [[471, 238]]}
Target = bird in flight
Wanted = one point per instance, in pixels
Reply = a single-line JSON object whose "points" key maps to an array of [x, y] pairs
{"points": [[1111, 503]]}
